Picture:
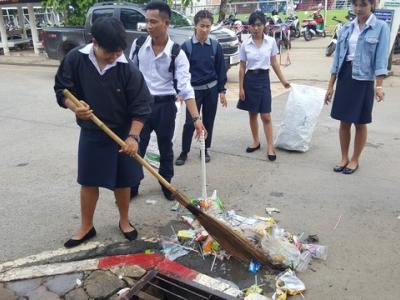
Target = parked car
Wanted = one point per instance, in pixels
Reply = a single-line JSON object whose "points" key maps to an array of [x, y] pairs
{"points": [[58, 41]]}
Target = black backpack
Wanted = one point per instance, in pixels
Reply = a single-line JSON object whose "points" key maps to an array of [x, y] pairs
{"points": [[176, 48]]}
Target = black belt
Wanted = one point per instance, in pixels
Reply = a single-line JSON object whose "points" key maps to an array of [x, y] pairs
{"points": [[166, 98], [258, 71]]}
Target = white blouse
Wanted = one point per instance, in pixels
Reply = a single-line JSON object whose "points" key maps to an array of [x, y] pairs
{"points": [[258, 58]]}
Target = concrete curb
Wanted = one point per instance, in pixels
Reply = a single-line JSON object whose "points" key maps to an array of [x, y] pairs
{"points": [[145, 261]]}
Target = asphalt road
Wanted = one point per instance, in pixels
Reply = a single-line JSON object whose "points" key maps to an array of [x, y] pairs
{"points": [[356, 216]]}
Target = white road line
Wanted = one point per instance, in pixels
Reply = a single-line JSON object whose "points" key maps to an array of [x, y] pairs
{"points": [[4, 267]]}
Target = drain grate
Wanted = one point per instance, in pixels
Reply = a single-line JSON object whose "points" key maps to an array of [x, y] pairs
{"points": [[155, 285]]}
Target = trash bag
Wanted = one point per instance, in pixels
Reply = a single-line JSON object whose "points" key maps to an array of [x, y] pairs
{"points": [[279, 250], [152, 153], [300, 117]]}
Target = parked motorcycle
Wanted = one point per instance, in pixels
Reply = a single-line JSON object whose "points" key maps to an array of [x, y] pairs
{"points": [[332, 44], [313, 27], [294, 26], [330, 49]]}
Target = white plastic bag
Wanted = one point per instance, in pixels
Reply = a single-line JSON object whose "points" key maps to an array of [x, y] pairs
{"points": [[152, 154], [300, 117]]}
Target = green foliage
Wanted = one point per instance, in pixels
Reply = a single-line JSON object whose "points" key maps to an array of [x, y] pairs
{"points": [[75, 10]]}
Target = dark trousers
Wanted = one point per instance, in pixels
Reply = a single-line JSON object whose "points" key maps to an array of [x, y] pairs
{"points": [[162, 121], [207, 102]]}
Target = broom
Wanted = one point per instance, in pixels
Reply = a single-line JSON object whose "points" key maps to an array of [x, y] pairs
{"points": [[231, 241]]}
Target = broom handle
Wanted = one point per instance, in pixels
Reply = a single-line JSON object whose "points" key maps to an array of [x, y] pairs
{"points": [[120, 142], [203, 166]]}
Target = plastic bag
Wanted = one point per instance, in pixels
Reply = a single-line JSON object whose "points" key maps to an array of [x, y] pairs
{"points": [[172, 249], [152, 153], [300, 117], [279, 250], [317, 251], [305, 259], [288, 281]]}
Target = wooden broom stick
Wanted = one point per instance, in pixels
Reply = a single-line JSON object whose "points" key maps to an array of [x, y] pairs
{"points": [[231, 241]]}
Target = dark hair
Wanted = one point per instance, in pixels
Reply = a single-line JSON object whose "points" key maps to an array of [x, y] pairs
{"points": [[372, 2], [257, 15], [109, 33], [162, 7], [203, 14]]}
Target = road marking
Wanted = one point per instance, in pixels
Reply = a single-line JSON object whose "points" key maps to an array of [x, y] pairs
{"points": [[4, 267]]}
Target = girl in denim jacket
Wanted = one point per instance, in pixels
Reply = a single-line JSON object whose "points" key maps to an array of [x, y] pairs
{"points": [[360, 61]]}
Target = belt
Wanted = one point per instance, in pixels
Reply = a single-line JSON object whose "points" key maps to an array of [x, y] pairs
{"points": [[165, 98], [205, 86], [258, 71]]}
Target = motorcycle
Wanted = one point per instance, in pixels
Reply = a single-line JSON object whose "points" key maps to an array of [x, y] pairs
{"points": [[332, 44], [330, 49], [236, 25], [313, 27], [294, 26]]}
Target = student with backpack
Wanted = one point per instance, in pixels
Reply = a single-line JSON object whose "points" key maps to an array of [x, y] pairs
{"points": [[208, 72], [166, 71]]}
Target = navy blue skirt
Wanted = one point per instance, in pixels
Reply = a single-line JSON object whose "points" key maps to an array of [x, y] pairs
{"points": [[257, 92], [353, 99], [101, 165]]}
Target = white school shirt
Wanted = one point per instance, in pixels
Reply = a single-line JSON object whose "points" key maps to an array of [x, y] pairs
{"points": [[258, 58], [88, 49], [155, 70], [354, 37]]}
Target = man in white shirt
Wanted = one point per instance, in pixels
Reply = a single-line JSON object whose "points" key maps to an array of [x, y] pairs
{"points": [[154, 60]]}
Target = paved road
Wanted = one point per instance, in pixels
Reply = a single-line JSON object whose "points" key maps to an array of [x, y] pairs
{"points": [[39, 195]]}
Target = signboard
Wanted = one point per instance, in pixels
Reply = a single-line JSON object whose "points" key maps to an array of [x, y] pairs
{"points": [[385, 15], [393, 5]]}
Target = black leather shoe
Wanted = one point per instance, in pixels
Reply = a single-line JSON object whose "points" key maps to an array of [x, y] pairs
{"points": [[207, 157], [134, 191], [180, 161], [249, 149], [73, 243], [349, 171], [130, 235], [338, 169], [167, 194]]}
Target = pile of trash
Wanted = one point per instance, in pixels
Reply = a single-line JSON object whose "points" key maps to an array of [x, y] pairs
{"points": [[283, 249]]}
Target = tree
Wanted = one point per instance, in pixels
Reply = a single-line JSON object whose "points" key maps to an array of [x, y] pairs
{"points": [[222, 10]]}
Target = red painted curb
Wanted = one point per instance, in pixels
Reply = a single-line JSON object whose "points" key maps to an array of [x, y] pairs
{"points": [[149, 261]]}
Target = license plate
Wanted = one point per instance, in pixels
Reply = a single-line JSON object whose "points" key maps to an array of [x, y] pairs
{"points": [[234, 59]]}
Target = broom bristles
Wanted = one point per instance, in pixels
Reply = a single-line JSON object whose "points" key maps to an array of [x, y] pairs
{"points": [[231, 241]]}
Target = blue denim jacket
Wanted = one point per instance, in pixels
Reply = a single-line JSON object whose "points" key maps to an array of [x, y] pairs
{"points": [[372, 50]]}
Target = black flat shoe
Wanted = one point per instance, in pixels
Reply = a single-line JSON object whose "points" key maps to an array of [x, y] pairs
{"points": [[131, 235], [180, 161], [271, 157], [349, 171], [73, 243], [250, 149], [338, 169]]}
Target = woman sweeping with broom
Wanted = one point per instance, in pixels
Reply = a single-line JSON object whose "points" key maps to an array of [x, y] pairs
{"points": [[115, 89]]}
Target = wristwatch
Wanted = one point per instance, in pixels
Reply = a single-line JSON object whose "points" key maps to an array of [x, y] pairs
{"points": [[194, 119], [136, 137]]}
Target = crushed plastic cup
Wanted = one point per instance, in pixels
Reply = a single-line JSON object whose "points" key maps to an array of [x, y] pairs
{"points": [[317, 251]]}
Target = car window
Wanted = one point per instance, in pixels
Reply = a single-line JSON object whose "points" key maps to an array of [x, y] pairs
{"points": [[130, 18], [179, 20], [98, 13]]}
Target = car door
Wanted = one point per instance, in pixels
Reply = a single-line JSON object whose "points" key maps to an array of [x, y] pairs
{"points": [[130, 18]]}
